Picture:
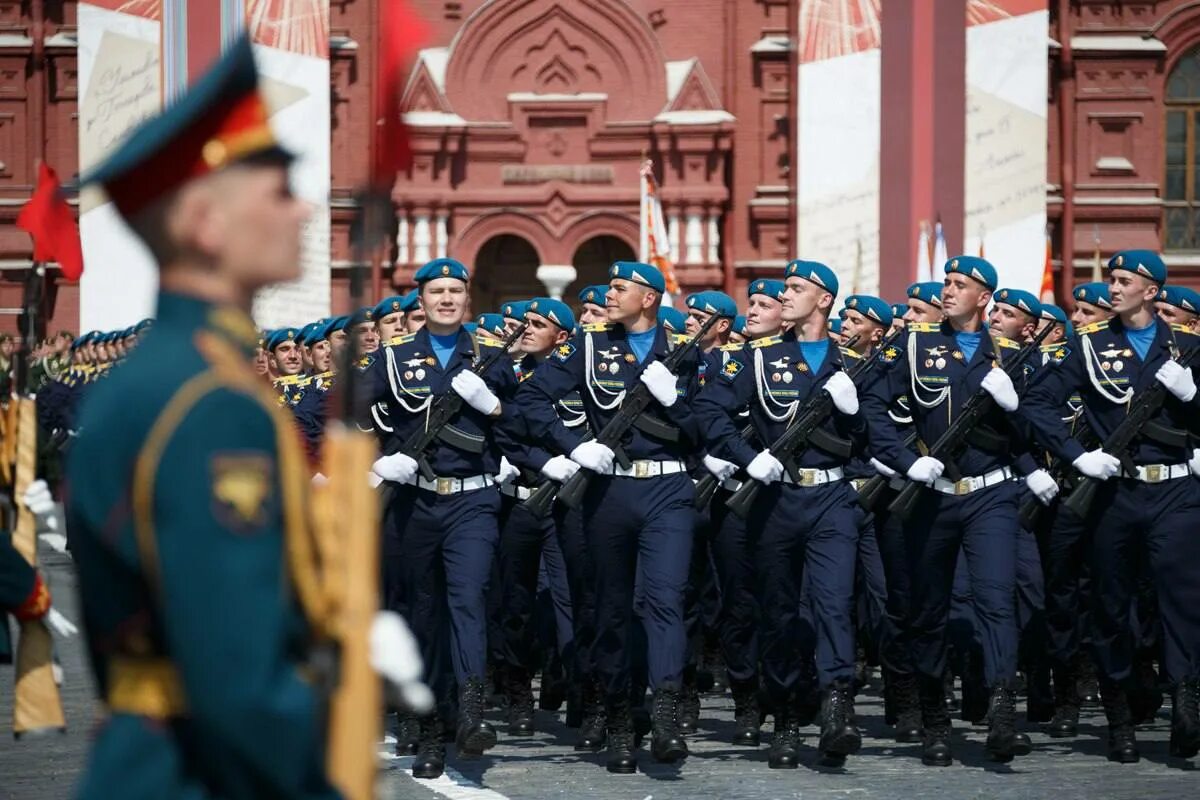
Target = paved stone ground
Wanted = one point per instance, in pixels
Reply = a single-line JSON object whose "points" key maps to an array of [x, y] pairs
{"points": [[545, 766]]}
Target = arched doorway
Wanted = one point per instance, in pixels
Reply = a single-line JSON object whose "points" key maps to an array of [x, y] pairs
{"points": [[505, 269], [592, 260]]}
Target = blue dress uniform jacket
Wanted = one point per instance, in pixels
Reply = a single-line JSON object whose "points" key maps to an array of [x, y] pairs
{"points": [[185, 504], [601, 365]]}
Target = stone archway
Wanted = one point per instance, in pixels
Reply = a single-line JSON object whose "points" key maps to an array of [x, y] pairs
{"points": [[506, 268], [592, 260]]}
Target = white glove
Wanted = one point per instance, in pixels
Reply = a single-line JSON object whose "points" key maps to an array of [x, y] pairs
{"points": [[926, 469], [60, 625], [1194, 463], [398, 468], [38, 499], [843, 391], [765, 468], [883, 469], [1097, 464], [560, 468], [719, 467], [507, 472], [1177, 379], [471, 388], [373, 479], [661, 383], [1000, 387], [593, 456], [395, 656], [1042, 485]]}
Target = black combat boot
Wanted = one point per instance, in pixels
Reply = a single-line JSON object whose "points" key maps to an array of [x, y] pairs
{"points": [[689, 704], [474, 734], [518, 689], [839, 733], [747, 716], [666, 743], [1002, 723], [906, 704], [1039, 696], [1185, 719], [554, 686], [1065, 722], [1145, 697], [430, 761], [408, 734], [622, 752], [1122, 743], [574, 716], [950, 698], [1086, 680], [592, 732], [935, 719], [785, 746], [638, 711], [806, 703]]}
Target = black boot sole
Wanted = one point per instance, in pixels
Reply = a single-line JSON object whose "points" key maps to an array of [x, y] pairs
{"points": [[669, 753], [476, 742], [522, 728], [1184, 745], [1125, 757], [846, 743], [1062, 733], [831, 760], [937, 762], [621, 769], [783, 762], [908, 735], [590, 746], [747, 739], [429, 773]]}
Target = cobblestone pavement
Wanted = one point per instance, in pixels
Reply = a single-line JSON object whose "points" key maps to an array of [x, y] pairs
{"points": [[546, 766]]}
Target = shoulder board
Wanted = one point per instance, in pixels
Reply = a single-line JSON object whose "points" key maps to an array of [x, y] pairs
{"points": [[305, 380], [288, 380], [1095, 326], [924, 327], [679, 338], [487, 341], [1175, 326], [766, 341], [1008, 343], [403, 338], [731, 348], [1050, 348], [848, 353], [597, 327]]}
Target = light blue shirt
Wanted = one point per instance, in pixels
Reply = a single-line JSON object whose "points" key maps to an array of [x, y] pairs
{"points": [[815, 353], [641, 343], [968, 343], [443, 347], [1141, 339]]}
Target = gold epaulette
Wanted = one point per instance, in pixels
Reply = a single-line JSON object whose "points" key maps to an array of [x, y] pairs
{"points": [[1092, 328], [766, 341], [1175, 326], [488, 341], [403, 338], [731, 348], [924, 327], [1007, 343], [848, 353], [597, 327], [288, 380], [678, 338], [1050, 348]]}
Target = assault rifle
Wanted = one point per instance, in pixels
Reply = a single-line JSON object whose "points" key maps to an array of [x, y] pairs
{"points": [[872, 491], [635, 403], [956, 436], [1061, 472], [706, 487]]}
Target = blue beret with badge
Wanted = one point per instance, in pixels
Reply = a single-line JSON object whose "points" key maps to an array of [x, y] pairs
{"points": [[515, 309], [835, 325], [305, 336], [1146, 263], [556, 311], [929, 291], [974, 267], [1056, 314], [594, 294], [442, 268], [672, 319], [411, 301], [470, 327], [637, 272], [813, 271], [1094, 293], [873, 308], [1020, 300], [339, 323], [389, 305], [739, 325], [492, 323], [364, 314], [1182, 297], [899, 310], [279, 336], [713, 302], [768, 287]]}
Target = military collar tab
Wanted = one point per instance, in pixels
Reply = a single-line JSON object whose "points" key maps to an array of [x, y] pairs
{"points": [[598, 327], [766, 341], [403, 338], [1093, 328], [731, 348], [924, 327], [1007, 343], [848, 353]]}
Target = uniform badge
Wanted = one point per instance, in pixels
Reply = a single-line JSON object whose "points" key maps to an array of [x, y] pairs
{"points": [[408, 374], [731, 369], [787, 377], [241, 485], [936, 351], [891, 354], [958, 354], [430, 360], [801, 366], [1118, 366], [940, 363], [613, 367], [420, 374], [603, 367], [776, 377], [928, 362], [630, 358], [1127, 352], [1106, 366], [564, 351]]}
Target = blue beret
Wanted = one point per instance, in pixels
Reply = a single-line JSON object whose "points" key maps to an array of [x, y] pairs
{"points": [[1094, 293], [1181, 297], [768, 287], [929, 291], [77, 342], [339, 323], [364, 314], [672, 319], [593, 294], [442, 268], [899, 310], [870, 307], [389, 305], [813, 271], [1146, 263], [471, 327], [493, 323], [1051, 311], [411, 301], [713, 302], [1020, 299], [739, 324], [222, 119], [835, 325], [979, 269], [309, 331], [279, 336], [515, 309], [638, 272], [556, 311]]}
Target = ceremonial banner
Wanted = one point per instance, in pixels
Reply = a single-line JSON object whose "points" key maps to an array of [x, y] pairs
{"points": [[135, 56], [838, 138], [655, 245], [1005, 173]]}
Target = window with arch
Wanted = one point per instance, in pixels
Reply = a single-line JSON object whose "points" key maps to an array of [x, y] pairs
{"points": [[1181, 184]]}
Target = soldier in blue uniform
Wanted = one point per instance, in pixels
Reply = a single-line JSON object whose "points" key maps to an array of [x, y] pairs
{"points": [[186, 481], [592, 305], [1179, 305], [389, 318], [414, 315], [1149, 505], [441, 532], [940, 366], [638, 521], [805, 519]]}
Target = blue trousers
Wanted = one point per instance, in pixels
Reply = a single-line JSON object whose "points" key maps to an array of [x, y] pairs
{"points": [[984, 526], [889, 538], [1158, 523], [640, 528], [873, 618], [581, 583], [805, 533], [1065, 543], [733, 562], [447, 543]]}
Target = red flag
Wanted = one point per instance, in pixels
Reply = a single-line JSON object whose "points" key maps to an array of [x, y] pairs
{"points": [[400, 35], [50, 222], [1047, 275]]}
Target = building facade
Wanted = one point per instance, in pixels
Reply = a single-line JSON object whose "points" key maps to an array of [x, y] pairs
{"points": [[531, 119]]}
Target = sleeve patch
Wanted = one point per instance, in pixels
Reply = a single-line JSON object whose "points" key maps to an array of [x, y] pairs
{"points": [[890, 354], [564, 351], [731, 369], [241, 486]]}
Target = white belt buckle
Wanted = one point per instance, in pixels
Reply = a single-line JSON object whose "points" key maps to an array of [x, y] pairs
{"points": [[641, 469], [445, 486]]}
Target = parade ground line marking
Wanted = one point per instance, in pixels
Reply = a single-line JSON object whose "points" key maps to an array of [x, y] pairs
{"points": [[453, 784]]}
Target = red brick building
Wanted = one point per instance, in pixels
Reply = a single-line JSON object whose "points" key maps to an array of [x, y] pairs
{"points": [[530, 120]]}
